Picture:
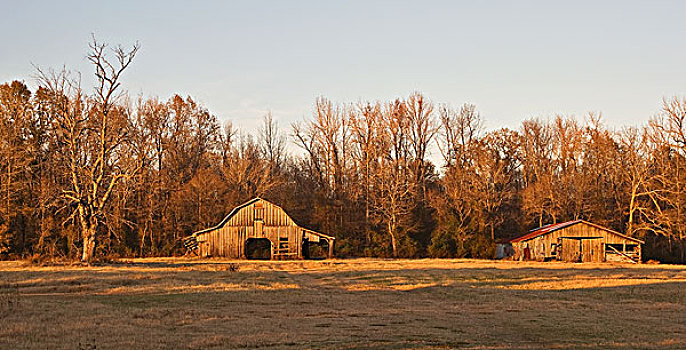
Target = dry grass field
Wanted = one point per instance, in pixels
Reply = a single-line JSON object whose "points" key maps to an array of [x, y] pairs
{"points": [[342, 304]]}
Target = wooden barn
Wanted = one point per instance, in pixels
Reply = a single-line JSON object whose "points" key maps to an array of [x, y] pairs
{"points": [[576, 241], [258, 224]]}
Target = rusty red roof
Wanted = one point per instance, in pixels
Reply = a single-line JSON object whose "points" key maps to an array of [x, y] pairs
{"points": [[543, 230], [554, 227]]}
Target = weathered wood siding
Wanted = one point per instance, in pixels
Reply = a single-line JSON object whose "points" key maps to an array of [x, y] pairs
{"points": [[570, 249], [229, 241], [272, 215], [591, 241], [255, 219]]}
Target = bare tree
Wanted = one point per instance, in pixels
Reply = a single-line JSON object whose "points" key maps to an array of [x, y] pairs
{"points": [[325, 140], [92, 131], [422, 129], [539, 193], [367, 137], [495, 165], [272, 142], [394, 181], [459, 131]]}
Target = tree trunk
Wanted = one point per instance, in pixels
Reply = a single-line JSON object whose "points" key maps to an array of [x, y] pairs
{"points": [[88, 236], [632, 203], [394, 245], [391, 232]]}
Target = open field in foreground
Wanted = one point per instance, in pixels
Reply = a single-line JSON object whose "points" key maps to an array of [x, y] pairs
{"points": [[362, 303]]}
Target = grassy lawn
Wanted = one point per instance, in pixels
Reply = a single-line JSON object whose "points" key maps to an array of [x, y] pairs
{"points": [[360, 303]]}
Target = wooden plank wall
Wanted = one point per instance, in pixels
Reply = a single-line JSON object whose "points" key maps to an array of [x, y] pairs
{"points": [[593, 250], [541, 247], [229, 240], [570, 249], [273, 215]]}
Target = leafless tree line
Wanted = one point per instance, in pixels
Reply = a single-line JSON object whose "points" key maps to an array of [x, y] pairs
{"points": [[87, 173]]}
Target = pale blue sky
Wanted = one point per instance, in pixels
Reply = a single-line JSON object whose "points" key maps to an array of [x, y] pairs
{"points": [[514, 60]]}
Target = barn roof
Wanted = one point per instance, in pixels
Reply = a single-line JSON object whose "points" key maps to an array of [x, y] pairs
{"points": [[238, 208], [554, 227], [227, 217]]}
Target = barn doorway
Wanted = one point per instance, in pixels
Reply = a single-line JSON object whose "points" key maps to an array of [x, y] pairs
{"points": [[258, 249], [315, 250]]}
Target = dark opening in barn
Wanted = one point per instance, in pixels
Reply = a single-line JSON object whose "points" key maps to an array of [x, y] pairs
{"points": [[258, 249], [315, 250]]}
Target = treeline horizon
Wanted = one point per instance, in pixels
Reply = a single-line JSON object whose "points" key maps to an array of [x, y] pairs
{"points": [[92, 173]]}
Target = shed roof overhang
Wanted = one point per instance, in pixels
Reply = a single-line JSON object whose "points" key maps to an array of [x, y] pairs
{"points": [[319, 234]]}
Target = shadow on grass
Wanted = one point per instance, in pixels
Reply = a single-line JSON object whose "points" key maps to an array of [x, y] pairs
{"points": [[161, 277]]}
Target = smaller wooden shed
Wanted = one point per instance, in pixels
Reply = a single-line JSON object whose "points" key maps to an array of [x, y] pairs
{"points": [[253, 223], [576, 241]]}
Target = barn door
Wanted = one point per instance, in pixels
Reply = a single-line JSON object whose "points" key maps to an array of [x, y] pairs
{"points": [[598, 250], [592, 250], [571, 250]]}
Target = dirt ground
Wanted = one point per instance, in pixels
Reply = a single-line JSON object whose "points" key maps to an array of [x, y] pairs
{"points": [[342, 304]]}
